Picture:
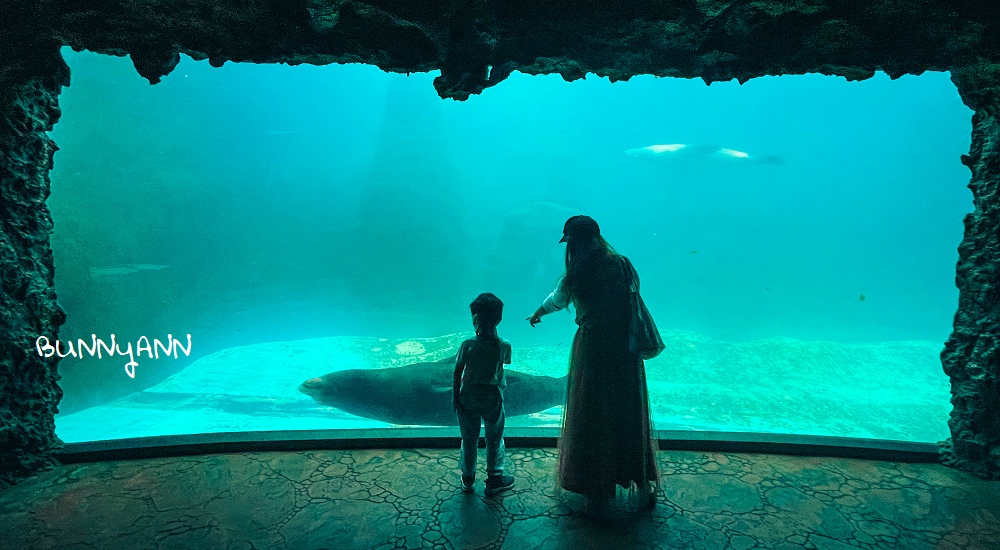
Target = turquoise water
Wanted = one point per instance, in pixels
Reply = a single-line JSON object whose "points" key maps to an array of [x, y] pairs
{"points": [[259, 208]]}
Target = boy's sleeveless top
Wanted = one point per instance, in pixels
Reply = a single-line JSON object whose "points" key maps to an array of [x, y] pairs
{"points": [[484, 360]]}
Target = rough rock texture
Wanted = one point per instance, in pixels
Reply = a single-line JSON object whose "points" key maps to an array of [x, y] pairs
{"points": [[971, 357], [477, 44], [29, 393]]}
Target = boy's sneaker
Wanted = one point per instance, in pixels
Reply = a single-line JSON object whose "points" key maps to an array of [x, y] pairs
{"points": [[468, 484], [500, 483]]}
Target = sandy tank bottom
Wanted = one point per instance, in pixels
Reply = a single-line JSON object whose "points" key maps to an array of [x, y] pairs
{"points": [[891, 390]]}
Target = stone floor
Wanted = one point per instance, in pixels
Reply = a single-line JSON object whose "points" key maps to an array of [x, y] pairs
{"points": [[411, 499]]}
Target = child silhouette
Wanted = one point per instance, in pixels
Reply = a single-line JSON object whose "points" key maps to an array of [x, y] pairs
{"points": [[478, 394]]}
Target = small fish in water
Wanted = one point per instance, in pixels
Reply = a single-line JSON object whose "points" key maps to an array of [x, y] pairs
{"points": [[862, 298], [122, 269], [694, 251]]}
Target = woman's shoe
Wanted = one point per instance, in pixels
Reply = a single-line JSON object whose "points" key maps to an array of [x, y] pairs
{"points": [[647, 497]]}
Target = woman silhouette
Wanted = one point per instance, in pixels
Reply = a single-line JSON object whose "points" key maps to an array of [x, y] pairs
{"points": [[606, 438]]}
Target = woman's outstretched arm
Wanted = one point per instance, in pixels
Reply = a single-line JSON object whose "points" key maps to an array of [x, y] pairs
{"points": [[558, 299]]}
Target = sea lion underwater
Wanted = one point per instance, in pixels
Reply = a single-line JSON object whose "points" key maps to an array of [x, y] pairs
{"points": [[679, 151], [421, 393]]}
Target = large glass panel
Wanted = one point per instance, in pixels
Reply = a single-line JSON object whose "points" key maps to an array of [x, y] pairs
{"points": [[797, 252]]}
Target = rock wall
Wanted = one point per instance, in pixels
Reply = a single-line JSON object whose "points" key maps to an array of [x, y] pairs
{"points": [[29, 393], [971, 357], [476, 44]]}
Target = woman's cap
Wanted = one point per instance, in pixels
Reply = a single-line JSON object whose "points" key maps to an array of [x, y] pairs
{"points": [[580, 227]]}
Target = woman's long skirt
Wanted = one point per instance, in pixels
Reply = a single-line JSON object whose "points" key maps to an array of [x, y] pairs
{"points": [[606, 434]]}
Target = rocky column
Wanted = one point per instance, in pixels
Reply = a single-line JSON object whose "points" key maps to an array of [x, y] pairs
{"points": [[30, 82], [971, 357]]}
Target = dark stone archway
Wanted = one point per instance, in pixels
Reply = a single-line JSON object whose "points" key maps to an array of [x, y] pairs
{"points": [[971, 357], [476, 44], [29, 393]]}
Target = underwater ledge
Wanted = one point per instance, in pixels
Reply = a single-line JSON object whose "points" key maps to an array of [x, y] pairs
{"points": [[446, 438]]}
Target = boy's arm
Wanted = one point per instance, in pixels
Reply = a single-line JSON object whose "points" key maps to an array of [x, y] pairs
{"points": [[457, 383]]}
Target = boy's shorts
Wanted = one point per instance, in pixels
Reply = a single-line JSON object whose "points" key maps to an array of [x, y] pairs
{"points": [[482, 399]]}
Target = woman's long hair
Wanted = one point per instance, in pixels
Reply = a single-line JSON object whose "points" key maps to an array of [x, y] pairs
{"points": [[578, 251]]}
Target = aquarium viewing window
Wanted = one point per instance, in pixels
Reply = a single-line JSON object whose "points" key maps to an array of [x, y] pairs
{"points": [[796, 238]]}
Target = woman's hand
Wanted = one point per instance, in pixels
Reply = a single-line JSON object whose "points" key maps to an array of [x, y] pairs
{"points": [[536, 317]]}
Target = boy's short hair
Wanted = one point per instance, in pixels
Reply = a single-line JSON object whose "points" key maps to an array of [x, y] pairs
{"points": [[489, 308]]}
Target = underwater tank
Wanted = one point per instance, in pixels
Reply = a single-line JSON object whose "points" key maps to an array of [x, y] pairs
{"points": [[300, 221]]}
